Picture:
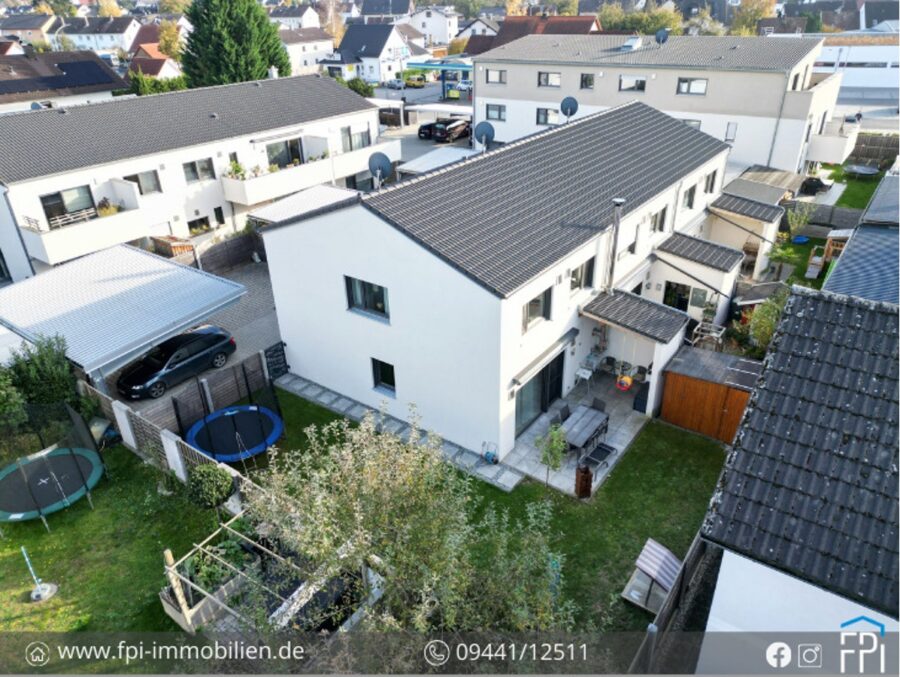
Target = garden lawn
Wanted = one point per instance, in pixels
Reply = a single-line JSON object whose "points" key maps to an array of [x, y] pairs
{"points": [[660, 489], [107, 561], [798, 256], [858, 191]]}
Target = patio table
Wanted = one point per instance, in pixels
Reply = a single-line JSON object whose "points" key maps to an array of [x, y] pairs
{"points": [[584, 425]]}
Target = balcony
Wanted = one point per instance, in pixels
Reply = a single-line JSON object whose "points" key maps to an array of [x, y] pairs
{"points": [[834, 144], [254, 190]]}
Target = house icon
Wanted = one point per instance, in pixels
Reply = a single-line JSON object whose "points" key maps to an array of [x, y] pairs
{"points": [[864, 619], [37, 654]]}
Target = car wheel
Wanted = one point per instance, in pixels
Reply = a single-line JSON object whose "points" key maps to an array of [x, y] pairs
{"points": [[219, 360], [157, 390]]}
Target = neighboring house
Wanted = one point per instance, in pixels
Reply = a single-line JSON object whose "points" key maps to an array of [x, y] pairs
{"points": [[103, 35], [55, 80], [479, 27], [29, 27], [758, 95], [867, 63], [160, 67], [301, 16], [306, 47], [164, 163], [411, 35], [805, 511], [495, 12], [10, 47], [146, 34], [514, 27], [841, 14], [386, 11], [438, 24], [781, 25], [349, 11], [874, 12], [373, 52], [480, 314]]}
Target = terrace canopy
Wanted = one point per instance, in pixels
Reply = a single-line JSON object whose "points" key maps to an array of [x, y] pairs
{"points": [[113, 305]]}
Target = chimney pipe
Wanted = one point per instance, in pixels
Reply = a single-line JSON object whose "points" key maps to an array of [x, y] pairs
{"points": [[617, 220], [273, 73]]}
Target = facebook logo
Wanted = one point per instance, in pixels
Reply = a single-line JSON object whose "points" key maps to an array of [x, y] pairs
{"points": [[778, 655]]}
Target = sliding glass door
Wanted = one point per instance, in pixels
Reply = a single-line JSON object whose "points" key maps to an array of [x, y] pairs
{"points": [[539, 393]]}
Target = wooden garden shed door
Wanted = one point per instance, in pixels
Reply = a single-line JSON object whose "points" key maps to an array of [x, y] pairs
{"points": [[712, 409]]}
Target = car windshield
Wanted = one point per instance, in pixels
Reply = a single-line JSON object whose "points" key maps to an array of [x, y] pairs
{"points": [[158, 356]]}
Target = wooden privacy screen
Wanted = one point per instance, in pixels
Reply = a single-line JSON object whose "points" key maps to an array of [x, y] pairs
{"points": [[713, 409]]}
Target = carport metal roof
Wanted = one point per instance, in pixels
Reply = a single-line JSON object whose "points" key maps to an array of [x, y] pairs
{"points": [[113, 305], [448, 108]]}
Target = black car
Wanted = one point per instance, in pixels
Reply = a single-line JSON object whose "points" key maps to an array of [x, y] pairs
{"points": [[426, 130], [813, 185], [176, 360], [450, 130]]}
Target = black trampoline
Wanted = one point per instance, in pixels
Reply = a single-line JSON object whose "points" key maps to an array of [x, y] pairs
{"points": [[48, 481], [236, 433]]}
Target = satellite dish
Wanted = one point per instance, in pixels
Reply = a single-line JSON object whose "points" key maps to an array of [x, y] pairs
{"points": [[662, 35], [569, 107], [380, 167], [484, 133], [36, 106]]}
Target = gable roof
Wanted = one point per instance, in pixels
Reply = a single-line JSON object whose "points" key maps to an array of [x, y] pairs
{"points": [[145, 65], [366, 40], [514, 27], [704, 252], [409, 32], [24, 22], [95, 25], [24, 78], [150, 50], [41, 143], [292, 11], [490, 23], [706, 52], [479, 44], [293, 36], [746, 207], [550, 192], [810, 485], [387, 7], [638, 314], [147, 33]]}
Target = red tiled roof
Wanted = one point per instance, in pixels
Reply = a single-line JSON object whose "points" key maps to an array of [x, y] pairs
{"points": [[146, 33], [147, 66], [515, 27]]}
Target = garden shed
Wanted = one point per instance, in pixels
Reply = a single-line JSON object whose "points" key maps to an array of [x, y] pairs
{"points": [[707, 391]]}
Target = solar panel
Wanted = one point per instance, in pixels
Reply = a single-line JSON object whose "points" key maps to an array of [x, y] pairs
{"points": [[75, 74]]}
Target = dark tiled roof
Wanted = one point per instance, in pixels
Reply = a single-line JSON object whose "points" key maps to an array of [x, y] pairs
{"points": [[704, 252], [635, 313], [810, 486], [39, 143], [24, 22], [365, 40], [296, 12], [885, 202], [300, 35], [479, 44], [147, 65], [746, 207], [95, 25], [53, 74], [146, 34], [868, 266], [704, 52], [392, 7], [543, 195]]}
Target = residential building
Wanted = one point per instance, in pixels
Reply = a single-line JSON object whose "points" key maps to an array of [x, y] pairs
{"points": [[514, 27], [306, 47], [103, 35], [781, 25], [386, 11], [874, 12], [29, 27], [412, 36], [374, 52], [161, 67], [868, 64], [84, 178], [10, 47], [479, 26], [759, 95], [480, 315], [437, 23], [349, 11], [55, 80], [494, 12], [295, 17]]}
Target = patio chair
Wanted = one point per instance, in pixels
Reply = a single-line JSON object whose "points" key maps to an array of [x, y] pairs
{"points": [[599, 405], [564, 412], [608, 365]]}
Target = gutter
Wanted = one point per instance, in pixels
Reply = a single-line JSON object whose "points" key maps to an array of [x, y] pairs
{"points": [[787, 82]]}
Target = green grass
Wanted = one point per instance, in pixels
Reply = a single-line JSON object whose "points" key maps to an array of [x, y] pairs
{"points": [[798, 256], [858, 191], [107, 561], [659, 489]]}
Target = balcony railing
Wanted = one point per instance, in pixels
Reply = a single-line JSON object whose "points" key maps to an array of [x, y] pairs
{"points": [[78, 216]]}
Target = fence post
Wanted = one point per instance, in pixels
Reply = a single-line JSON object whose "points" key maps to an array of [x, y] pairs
{"points": [[173, 454], [234, 504], [120, 411], [265, 366], [207, 394]]}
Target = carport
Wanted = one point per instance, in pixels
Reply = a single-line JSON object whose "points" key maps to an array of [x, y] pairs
{"points": [[463, 67], [113, 306]]}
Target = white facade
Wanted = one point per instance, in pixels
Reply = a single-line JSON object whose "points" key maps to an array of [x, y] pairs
{"points": [[458, 351], [439, 25], [305, 56], [182, 205], [101, 43], [309, 19], [386, 66], [476, 27]]}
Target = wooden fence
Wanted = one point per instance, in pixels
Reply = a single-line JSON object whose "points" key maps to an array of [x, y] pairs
{"points": [[876, 149], [829, 215]]}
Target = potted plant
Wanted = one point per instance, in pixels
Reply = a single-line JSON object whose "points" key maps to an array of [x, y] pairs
{"points": [[273, 168]]}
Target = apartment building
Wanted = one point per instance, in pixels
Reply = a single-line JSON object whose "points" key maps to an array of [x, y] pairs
{"points": [[480, 315], [761, 96], [306, 48], [103, 35], [295, 17], [76, 180], [438, 24]]}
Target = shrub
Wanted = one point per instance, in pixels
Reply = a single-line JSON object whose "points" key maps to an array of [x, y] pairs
{"points": [[42, 373], [12, 404], [361, 87], [209, 486]]}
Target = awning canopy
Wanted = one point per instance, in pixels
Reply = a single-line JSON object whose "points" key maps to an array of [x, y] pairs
{"points": [[636, 314], [114, 305], [446, 108]]}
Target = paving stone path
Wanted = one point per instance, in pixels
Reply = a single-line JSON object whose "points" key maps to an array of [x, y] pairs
{"points": [[501, 476]]}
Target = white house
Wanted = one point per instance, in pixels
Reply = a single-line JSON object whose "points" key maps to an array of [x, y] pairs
{"points": [[103, 35], [439, 24], [299, 16], [80, 179], [373, 52], [349, 10], [54, 80], [475, 292], [759, 95], [479, 26], [306, 47]]}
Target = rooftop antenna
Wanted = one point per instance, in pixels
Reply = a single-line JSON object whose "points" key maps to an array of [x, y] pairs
{"points": [[617, 220], [484, 134], [569, 107], [380, 167], [661, 36]]}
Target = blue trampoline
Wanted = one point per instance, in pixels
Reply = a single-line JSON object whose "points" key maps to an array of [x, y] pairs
{"points": [[236, 433]]}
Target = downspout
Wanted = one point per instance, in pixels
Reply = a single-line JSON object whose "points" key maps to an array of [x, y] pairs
{"points": [[787, 82], [617, 221]]}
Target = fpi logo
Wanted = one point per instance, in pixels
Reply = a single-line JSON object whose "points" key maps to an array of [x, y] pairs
{"points": [[862, 645]]}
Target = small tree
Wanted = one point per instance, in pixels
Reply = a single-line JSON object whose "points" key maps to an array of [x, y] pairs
{"points": [[702, 23], [174, 6], [361, 87], [12, 404], [42, 372], [568, 8], [209, 486], [457, 45], [65, 43], [144, 84], [170, 39], [553, 448], [108, 8], [764, 321], [749, 13]]}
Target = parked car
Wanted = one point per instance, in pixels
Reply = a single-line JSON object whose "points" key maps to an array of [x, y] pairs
{"points": [[813, 185], [450, 131], [415, 81], [396, 83], [465, 85], [426, 130], [175, 360]]}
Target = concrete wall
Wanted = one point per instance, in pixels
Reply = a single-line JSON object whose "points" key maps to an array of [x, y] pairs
{"points": [[721, 231]]}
